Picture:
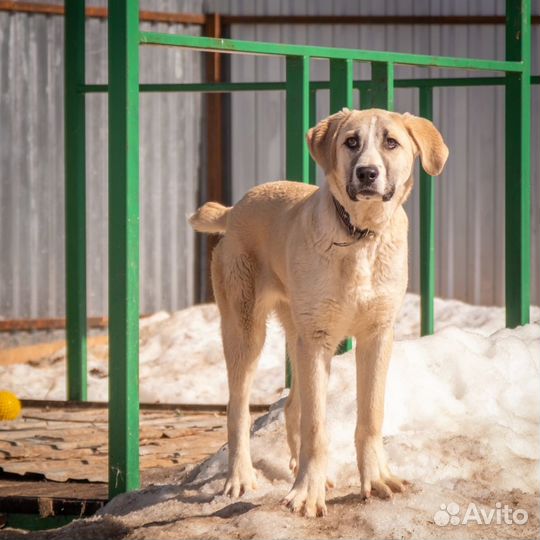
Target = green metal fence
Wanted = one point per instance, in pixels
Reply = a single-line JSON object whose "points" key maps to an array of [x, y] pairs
{"points": [[123, 90]]}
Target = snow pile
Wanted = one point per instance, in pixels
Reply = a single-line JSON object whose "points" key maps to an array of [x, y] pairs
{"points": [[458, 406], [483, 320], [461, 423], [181, 355]]}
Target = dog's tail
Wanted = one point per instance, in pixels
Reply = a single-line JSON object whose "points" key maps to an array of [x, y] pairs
{"points": [[210, 218]]}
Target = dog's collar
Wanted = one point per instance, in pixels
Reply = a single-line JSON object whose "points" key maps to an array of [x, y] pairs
{"points": [[354, 232]]}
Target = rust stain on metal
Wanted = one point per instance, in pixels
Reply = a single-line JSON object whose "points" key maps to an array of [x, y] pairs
{"points": [[102, 13]]}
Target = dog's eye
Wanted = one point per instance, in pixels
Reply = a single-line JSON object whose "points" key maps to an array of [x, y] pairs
{"points": [[351, 142], [391, 143]]}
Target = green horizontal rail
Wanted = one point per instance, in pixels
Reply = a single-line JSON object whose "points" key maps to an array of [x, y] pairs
{"points": [[273, 49], [444, 82], [195, 87]]}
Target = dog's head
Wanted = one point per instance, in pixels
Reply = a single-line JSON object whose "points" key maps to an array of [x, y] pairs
{"points": [[370, 154]]}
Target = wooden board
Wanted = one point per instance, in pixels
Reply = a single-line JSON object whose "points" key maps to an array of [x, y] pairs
{"points": [[33, 353], [44, 488], [46, 499], [70, 443]]}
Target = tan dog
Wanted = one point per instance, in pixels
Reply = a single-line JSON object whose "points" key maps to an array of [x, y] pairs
{"points": [[331, 262]]}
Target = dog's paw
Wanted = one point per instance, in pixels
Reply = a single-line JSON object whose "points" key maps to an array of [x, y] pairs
{"points": [[307, 497], [240, 481], [293, 466], [384, 488], [375, 478]]}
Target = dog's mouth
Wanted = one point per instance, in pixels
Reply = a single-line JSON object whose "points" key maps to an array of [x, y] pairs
{"points": [[366, 194], [363, 194]]}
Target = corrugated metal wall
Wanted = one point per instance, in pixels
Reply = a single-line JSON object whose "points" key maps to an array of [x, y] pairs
{"points": [[32, 176], [470, 198]]}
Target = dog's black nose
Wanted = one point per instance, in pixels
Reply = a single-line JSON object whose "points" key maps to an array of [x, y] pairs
{"points": [[367, 175]]}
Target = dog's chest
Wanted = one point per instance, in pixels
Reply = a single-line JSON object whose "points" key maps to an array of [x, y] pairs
{"points": [[357, 278], [367, 276], [359, 273]]}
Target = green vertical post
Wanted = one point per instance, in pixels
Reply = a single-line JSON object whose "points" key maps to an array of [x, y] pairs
{"points": [[381, 90], [297, 121], [341, 95], [518, 164], [75, 200], [297, 111], [312, 122], [427, 232], [362, 98], [123, 246], [341, 85]]}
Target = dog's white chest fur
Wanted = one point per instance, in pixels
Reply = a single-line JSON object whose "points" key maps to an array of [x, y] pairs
{"points": [[358, 277]]}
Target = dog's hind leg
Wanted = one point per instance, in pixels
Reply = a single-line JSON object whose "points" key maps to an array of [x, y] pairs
{"points": [[292, 416], [243, 325], [292, 406]]}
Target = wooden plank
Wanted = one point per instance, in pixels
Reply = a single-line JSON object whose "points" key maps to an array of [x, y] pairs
{"points": [[193, 408], [44, 488], [47, 507], [71, 444], [370, 19], [28, 325], [32, 353]]}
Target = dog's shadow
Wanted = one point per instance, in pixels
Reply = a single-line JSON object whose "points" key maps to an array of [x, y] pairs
{"points": [[232, 510], [349, 498], [188, 492]]}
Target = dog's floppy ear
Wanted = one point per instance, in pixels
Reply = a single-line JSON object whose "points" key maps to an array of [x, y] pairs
{"points": [[321, 137], [433, 152]]}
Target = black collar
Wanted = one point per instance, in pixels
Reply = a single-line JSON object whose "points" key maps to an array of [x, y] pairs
{"points": [[354, 232]]}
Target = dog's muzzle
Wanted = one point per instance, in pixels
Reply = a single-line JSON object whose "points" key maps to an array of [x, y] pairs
{"points": [[361, 184]]}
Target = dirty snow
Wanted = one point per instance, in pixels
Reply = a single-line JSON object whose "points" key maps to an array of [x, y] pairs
{"points": [[461, 424]]}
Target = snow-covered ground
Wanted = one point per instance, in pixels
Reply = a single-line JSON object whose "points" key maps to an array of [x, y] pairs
{"points": [[461, 423], [181, 356]]}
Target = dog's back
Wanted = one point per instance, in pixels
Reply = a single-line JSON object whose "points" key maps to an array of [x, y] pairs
{"points": [[263, 208]]}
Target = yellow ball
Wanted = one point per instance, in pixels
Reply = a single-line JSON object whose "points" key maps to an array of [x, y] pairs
{"points": [[10, 406]]}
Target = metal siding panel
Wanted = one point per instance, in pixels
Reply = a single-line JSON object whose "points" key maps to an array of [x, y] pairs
{"points": [[270, 113], [32, 177], [243, 123], [20, 70], [170, 137], [55, 124], [6, 185], [96, 170]]}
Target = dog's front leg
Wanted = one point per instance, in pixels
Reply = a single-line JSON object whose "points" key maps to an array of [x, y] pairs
{"points": [[308, 493], [372, 359]]}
